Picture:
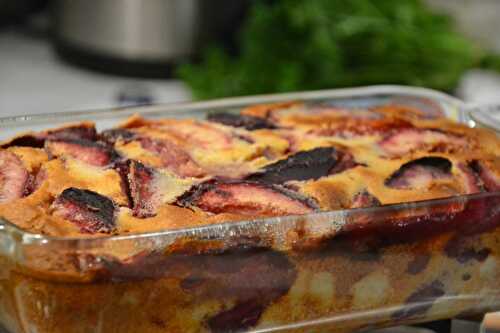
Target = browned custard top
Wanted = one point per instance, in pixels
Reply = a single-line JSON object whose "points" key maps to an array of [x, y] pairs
{"points": [[268, 160]]}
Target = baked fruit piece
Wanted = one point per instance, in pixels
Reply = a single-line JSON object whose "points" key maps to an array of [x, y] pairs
{"points": [[268, 160]]}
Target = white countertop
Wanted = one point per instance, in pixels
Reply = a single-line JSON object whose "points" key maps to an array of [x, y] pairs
{"points": [[33, 80]]}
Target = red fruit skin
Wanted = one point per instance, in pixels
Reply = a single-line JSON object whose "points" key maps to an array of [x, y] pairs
{"points": [[420, 172], [14, 177], [173, 157], [248, 198], [90, 211], [90, 152], [144, 193]]}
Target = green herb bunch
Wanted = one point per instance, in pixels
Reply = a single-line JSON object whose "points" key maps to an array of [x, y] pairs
{"points": [[291, 45]]}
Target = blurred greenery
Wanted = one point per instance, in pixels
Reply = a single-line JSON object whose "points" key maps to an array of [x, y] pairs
{"points": [[290, 45]]}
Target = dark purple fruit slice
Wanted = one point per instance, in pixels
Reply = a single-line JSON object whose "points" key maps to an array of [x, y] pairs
{"points": [[37, 140], [237, 120], [13, 177], [146, 197], [122, 167], [418, 264], [490, 182], [420, 173], [364, 199], [405, 141], [78, 132], [253, 277], [37, 180], [93, 153], [460, 248], [240, 317], [111, 136], [304, 165], [248, 198], [472, 183], [421, 300], [349, 127], [345, 161], [90, 211], [173, 157]]}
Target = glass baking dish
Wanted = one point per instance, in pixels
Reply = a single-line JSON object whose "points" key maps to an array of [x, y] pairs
{"points": [[336, 271]]}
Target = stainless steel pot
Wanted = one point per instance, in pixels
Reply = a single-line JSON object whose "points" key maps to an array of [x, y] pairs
{"points": [[129, 29], [141, 37]]}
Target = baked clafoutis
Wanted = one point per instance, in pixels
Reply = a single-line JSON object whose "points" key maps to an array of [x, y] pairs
{"points": [[269, 160], [263, 161]]}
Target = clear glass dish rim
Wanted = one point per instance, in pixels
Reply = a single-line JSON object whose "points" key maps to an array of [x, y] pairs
{"points": [[166, 109], [26, 237]]}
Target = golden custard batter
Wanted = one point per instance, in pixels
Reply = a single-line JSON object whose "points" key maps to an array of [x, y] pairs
{"points": [[281, 159]]}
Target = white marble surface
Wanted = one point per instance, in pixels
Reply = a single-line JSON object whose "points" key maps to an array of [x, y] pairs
{"points": [[33, 80]]}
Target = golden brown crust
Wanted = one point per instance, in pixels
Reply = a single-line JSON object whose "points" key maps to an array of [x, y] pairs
{"points": [[385, 155]]}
